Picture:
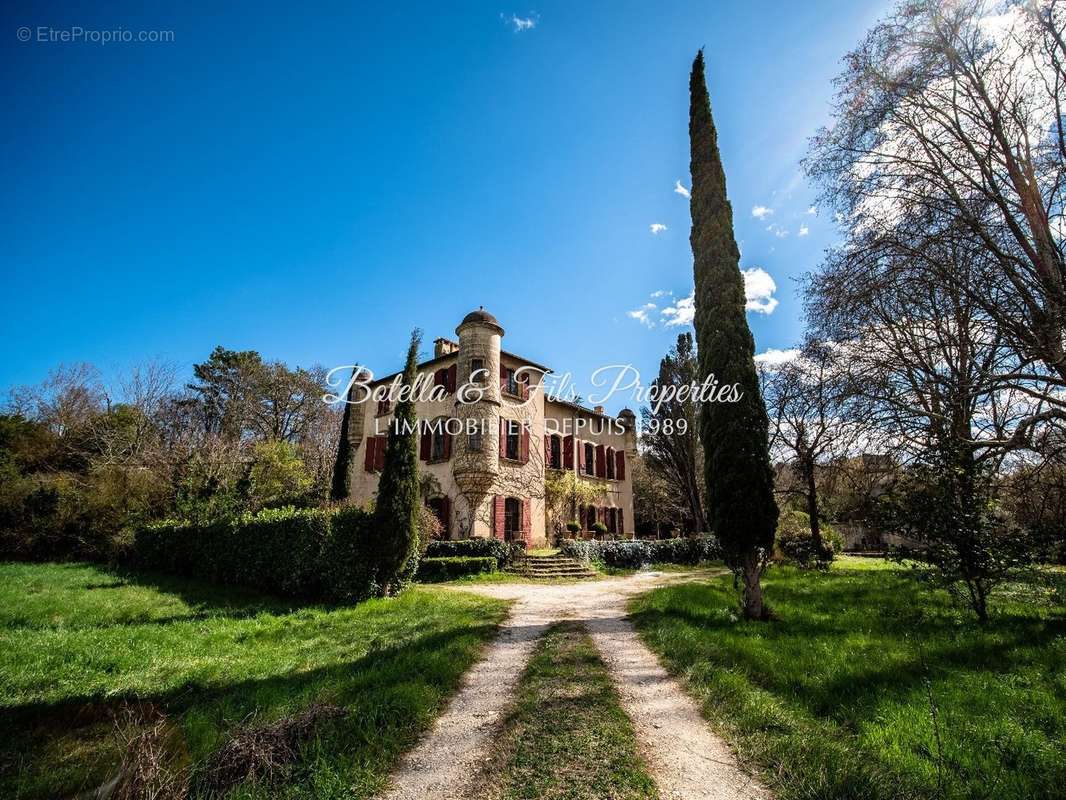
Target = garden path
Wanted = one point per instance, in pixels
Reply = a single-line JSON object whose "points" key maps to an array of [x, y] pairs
{"points": [[685, 757]]}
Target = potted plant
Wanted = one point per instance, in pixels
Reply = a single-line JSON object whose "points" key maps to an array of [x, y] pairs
{"points": [[599, 529], [574, 527]]}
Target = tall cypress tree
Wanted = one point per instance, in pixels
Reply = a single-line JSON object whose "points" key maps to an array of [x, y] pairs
{"points": [[393, 537], [341, 485], [740, 500]]}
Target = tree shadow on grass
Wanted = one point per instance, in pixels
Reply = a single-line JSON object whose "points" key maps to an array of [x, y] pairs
{"points": [[391, 694]]}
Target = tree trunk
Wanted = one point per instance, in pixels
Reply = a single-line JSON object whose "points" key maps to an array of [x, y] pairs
{"points": [[752, 572], [812, 505]]}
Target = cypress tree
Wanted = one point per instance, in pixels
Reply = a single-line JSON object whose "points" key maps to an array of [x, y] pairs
{"points": [[393, 538], [341, 486], [740, 501]]}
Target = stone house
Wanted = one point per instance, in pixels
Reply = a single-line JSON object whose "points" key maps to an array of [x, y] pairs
{"points": [[490, 440]]}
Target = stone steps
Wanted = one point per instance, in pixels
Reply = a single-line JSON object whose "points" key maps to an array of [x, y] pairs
{"points": [[553, 566]]}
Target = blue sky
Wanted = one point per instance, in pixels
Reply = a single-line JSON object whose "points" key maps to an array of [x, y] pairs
{"points": [[312, 183]]}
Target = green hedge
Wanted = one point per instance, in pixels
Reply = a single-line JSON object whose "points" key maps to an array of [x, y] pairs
{"points": [[636, 553], [299, 552], [432, 570], [503, 552]]}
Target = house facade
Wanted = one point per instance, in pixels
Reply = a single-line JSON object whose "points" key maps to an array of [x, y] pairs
{"points": [[494, 450]]}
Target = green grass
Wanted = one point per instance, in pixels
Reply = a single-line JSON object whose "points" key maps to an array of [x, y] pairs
{"points": [[567, 737], [78, 643], [871, 685]]}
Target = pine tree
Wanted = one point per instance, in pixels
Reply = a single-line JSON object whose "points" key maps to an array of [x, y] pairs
{"points": [[740, 502], [394, 533]]}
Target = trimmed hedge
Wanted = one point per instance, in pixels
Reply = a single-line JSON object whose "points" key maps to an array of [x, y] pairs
{"points": [[637, 553], [432, 570], [298, 552], [503, 552]]}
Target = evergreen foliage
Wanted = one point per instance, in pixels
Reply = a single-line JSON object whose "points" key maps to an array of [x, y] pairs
{"points": [[341, 486], [741, 509], [395, 535]]}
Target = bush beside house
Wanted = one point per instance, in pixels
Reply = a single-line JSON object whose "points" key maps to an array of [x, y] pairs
{"points": [[432, 570], [637, 553], [308, 553]]}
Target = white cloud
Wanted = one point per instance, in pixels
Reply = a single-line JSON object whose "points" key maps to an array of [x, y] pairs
{"points": [[773, 358], [761, 212], [681, 190], [657, 228], [777, 231], [759, 290], [680, 313], [643, 315], [519, 24], [812, 211], [803, 231], [660, 293]]}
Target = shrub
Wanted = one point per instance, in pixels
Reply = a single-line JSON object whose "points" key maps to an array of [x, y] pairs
{"points": [[499, 550], [573, 526], [637, 553], [599, 528], [794, 541], [447, 568], [298, 552]]}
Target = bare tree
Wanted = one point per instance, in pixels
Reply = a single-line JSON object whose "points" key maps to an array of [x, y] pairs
{"points": [[951, 112], [811, 426]]}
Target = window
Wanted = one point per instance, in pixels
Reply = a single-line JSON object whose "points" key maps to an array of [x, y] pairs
{"points": [[510, 382], [384, 406], [512, 519], [512, 447], [610, 464], [477, 370], [438, 452], [590, 458], [555, 455], [473, 440]]}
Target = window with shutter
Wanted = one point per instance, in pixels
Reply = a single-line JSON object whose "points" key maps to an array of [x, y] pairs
{"points": [[620, 466], [610, 463], [379, 453], [368, 458], [523, 454], [498, 529], [601, 467], [425, 445], [568, 452]]}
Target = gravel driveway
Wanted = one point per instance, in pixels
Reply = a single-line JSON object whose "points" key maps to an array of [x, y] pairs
{"points": [[686, 759]]}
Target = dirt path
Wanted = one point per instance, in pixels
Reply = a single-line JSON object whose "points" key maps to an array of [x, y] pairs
{"points": [[686, 759]]}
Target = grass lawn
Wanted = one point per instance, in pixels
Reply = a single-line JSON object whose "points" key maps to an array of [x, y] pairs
{"points": [[81, 647], [871, 685], [567, 737]]}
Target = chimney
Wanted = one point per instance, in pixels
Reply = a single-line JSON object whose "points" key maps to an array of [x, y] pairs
{"points": [[598, 409], [441, 347]]}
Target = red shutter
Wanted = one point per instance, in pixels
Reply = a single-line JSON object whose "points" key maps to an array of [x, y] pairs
{"points": [[447, 445], [446, 512], [568, 452], [503, 378], [452, 377], [426, 445], [497, 516], [527, 519], [379, 453], [523, 445], [548, 451], [368, 460], [620, 465], [503, 438], [580, 456], [601, 462]]}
